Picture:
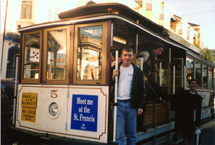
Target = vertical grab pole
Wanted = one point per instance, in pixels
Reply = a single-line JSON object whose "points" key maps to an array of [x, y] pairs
{"points": [[15, 90], [169, 73], [173, 81], [116, 88], [169, 88], [115, 99], [160, 67], [141, 63], [185, 78], [136, 47]]}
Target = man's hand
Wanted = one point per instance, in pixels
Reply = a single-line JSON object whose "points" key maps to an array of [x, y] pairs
{"points": [[139, 111], [115, 73], [197, 127]]}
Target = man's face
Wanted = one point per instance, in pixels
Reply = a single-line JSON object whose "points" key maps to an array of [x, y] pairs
{"points": [[157, 51], [126, 57], [193, 85]]}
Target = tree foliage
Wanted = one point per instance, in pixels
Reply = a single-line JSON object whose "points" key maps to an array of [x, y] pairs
{"points": [[207, 54]]}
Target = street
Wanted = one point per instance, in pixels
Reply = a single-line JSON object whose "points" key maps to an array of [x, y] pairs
{"points": [[208, 133]]}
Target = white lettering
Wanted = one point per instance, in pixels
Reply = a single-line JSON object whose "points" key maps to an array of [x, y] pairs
{"points": [[86, 110], [87, 118], [89, 102], [79, 101]]}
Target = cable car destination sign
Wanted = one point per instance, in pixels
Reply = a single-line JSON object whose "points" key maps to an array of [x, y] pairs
{"points": [[29, 105]]}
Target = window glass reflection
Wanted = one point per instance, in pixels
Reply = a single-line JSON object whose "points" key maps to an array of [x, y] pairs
{"points": [[190, 69], [56, 57], [31, 56], [199, 73], [210, 78], [205, 76], [89, 53]]}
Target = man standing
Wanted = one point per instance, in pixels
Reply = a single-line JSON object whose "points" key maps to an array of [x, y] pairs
{"points": [[131, 96], [186, 102]]}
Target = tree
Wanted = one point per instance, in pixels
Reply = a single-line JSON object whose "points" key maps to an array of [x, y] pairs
{"points": [[207, 54]]}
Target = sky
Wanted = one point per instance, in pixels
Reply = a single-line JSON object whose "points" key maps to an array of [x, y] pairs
{"points": [[201, 12]]}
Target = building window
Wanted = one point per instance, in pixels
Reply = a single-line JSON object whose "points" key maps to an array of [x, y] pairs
{"points": [[188, 33], [139, 2], [161, 16], [149, 6], [26, 12], [180, 29], [11, 65]]}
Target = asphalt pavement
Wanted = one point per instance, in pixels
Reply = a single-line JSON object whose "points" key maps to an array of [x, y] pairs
{"points": [[207, 136]]}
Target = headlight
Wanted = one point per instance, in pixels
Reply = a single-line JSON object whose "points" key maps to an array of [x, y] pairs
{"points": [[54, 109]]}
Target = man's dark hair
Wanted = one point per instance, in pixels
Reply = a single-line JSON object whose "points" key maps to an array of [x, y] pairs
{"points": [[128, 49], [192, 80], [156, 45]]}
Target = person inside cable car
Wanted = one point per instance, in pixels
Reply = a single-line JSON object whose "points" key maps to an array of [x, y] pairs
{"points": [[153, 89]]}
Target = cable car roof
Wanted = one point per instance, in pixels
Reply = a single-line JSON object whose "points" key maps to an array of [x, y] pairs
{"points": [[105, 11]]}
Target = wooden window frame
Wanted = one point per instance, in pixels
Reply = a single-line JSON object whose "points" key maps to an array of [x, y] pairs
{"points": [[104, 64], [55, 81], [31, 80]]}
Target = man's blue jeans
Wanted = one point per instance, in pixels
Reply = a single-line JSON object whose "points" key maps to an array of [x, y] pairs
{"points": [[128, 115]]}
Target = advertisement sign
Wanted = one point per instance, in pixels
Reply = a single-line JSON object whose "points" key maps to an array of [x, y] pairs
{"points": [[84, 112], [205, 98], [29, 105]]}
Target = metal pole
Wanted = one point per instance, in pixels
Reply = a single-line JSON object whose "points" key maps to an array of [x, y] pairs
{"points": [[160, 67], [169, 73], [185, 78], [15, 90], [137, 37], [141, 63], [116, 88], [136, 46], [115, 99], [4, 32], [173, 85], [169, 88]]}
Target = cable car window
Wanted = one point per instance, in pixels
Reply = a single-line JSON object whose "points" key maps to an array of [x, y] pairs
{"points": [[199, 74], [89, 53], [210, 78], [56, 55], [190, 69], [31, 56], [205, 76]]}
